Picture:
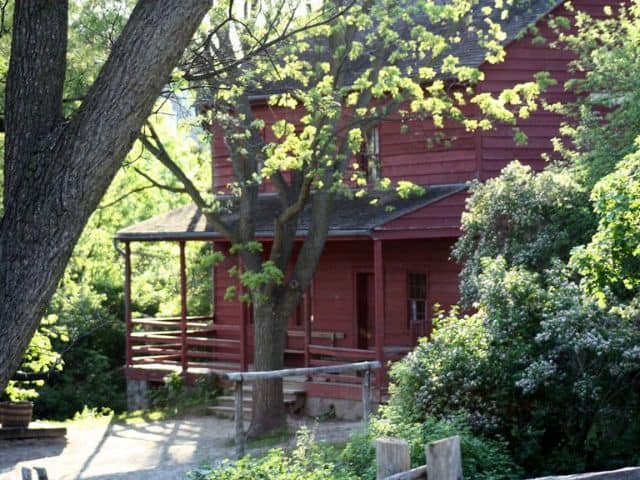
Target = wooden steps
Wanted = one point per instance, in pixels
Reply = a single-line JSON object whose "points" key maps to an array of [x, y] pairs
{"points": [[294, 396]]}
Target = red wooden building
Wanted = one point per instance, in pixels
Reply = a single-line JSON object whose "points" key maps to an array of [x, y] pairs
{"points": [[382, 271]]}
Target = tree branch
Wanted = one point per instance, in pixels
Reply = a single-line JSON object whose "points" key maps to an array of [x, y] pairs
{"points": [[125, 195], [157, 184], [158, 150]]}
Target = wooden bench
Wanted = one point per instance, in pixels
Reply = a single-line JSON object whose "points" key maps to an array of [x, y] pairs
{"points": [[325, 335]]}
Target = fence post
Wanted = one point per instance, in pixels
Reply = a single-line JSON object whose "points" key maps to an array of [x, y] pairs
{"points": [[239, 420], [366, 395], [444, 461], [183, 310], [392, 456]]}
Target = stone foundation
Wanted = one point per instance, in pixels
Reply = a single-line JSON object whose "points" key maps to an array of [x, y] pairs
{"points": [[138, 395]]}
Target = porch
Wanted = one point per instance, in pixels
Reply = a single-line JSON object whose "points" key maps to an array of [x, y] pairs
{"points": [[208, 345], [383, 269]]}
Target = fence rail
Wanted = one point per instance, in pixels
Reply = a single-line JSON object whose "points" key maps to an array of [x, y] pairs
{"points": [[240, 377]]}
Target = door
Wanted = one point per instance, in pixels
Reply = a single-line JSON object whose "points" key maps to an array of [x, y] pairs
{"points": [[365, 313]]}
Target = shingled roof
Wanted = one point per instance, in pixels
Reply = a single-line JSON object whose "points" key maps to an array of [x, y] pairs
{"points": [[522, 15], [352, 217]]}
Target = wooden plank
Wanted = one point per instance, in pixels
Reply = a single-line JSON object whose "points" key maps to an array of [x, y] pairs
{"points": [[25, 433], [345, 353], [444, 461], [630, 473], [317, 334], [239, 423], [293, 372], [392, 456], [183, 306], [215, 355], [211, 342], [153, 358], [366, 396], [413, 474], [165, 349], [315, 362]]}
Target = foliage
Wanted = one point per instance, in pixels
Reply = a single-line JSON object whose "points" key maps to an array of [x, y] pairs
{"points": [[555, 323], [528, 218], [482, 458], [40, 357], [610, 262], [533, 348], [307, 460], [175, 395], [605, 120]]}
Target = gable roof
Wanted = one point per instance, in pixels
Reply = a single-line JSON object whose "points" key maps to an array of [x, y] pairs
{"points": [[351, 217], [522, 15]]}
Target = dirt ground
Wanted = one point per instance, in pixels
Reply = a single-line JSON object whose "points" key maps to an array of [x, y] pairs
{"points": [[99, 449]]}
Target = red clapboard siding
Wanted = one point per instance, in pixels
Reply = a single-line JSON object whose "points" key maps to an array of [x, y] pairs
{"points": [[525, 58]]}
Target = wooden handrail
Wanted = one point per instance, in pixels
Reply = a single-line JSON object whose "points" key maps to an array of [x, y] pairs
{"points": [[192, 318], [240, 377], [294, 372]]}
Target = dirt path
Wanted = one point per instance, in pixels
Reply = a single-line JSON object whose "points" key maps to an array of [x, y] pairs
{"points": [[162, 450]]}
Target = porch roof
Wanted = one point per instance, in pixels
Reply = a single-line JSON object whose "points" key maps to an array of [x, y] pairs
{"points": [[352, 217]]}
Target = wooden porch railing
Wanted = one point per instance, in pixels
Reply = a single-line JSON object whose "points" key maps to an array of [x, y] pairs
{"points": [[196, 342], [170, 341]]}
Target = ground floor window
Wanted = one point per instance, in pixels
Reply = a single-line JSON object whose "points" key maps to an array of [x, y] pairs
{"points": [[416, 298]]}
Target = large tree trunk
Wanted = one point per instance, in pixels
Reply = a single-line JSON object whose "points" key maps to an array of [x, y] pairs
{"points": [[56, 171], [270, 323]]}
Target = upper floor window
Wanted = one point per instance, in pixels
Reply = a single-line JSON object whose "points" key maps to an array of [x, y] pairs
{"points": [[370, 155], [416, 298]]}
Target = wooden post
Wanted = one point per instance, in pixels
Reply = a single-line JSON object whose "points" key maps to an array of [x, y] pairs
{"points": [[378, 272], [127, 302], [306, 313], [213, 284], [183, 308], [366, 396], [392, 456], [243, 321], [239, 404], [40, 472], [444, 461]]}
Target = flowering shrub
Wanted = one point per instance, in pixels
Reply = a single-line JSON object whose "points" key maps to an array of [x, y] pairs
{"points": [[527, 218], [541, 364]]}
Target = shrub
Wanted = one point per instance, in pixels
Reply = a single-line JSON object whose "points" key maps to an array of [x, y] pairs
{"points": [[527, 218], [540, 364], [482, 458], [307, 460]]}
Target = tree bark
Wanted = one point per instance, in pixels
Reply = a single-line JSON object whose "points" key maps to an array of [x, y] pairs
{"points": [[270, 338], [56, 170]]}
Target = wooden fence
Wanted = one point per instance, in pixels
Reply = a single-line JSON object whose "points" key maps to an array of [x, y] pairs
{"points": [[443, 460], [238, 378]]}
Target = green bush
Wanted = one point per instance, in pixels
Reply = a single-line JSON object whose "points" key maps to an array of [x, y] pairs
{"points": [[540, 364], [175, 395], [307, 460], [482, 458]]}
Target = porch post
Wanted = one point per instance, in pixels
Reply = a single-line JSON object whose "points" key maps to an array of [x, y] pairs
{"points": [[243, 320], [127, 303], [213, 285], [306, 315], [183, 308], [378, 273]]}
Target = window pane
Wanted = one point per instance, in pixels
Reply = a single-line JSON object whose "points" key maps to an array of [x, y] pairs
{"points": [[416, 297]]}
